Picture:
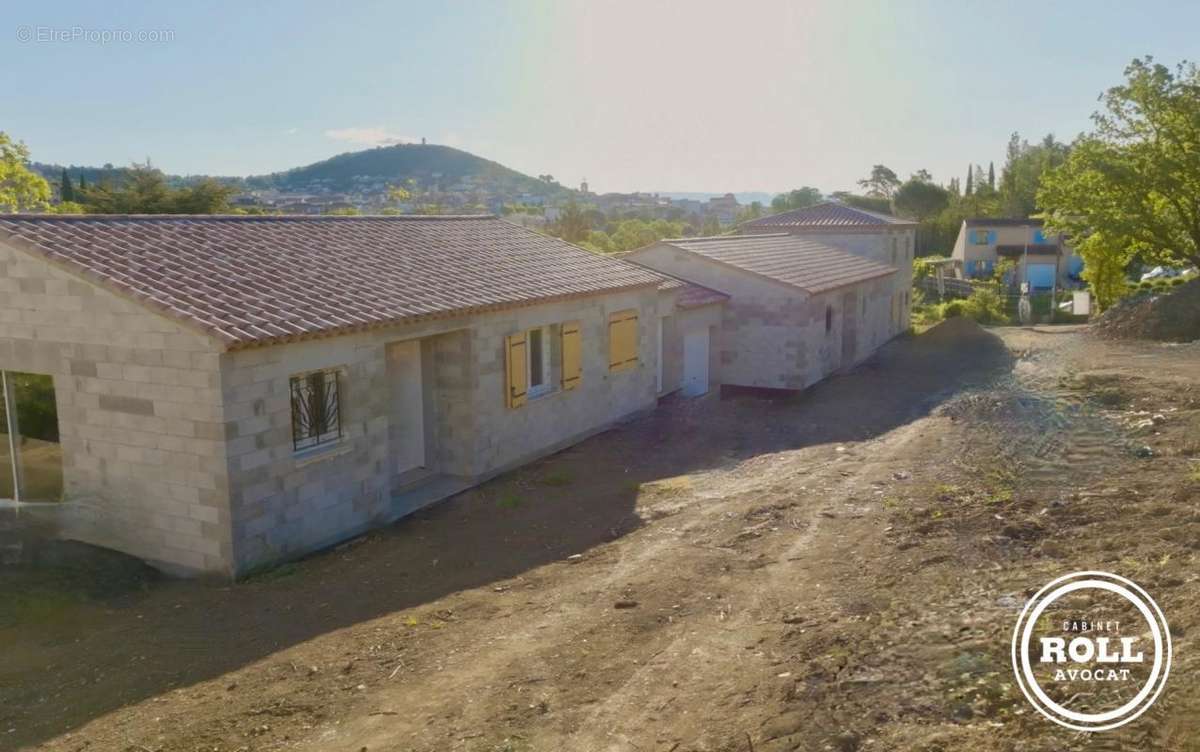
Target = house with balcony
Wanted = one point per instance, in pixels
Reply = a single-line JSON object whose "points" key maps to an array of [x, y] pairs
{"points": [[1042, 257]]}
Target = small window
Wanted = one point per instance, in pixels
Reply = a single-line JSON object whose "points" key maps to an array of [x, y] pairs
{"points": [[828, 319], [316, 410], [980, 237], [540, 342]]}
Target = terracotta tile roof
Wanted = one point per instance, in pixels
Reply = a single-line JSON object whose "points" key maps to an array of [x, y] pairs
{"points": [[252, 279], [825, 216], [691, 295], [799, 262]]}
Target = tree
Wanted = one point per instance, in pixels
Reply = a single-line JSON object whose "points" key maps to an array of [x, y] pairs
{"points": [[1104, 267], [573, 224], [753, 211], [21, 189], [1135, 180], [923, 175], [881, 183], [920, 200], [870, 203], [711, 226], [796, 199], [1021, 176], [992, 175], [144, 190], [398, 194], [970, 182], [66, 192]]}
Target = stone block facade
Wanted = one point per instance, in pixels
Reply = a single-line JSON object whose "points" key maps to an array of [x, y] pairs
{"points": [[287, 503], [181, 452], [140, 414], [773, 335]]}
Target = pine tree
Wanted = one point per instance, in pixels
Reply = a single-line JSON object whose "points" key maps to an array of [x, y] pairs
{"points": [[66, 190], [992, 175], [970, 182], [82, 184]]}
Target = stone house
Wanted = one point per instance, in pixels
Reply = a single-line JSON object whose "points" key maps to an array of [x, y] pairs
{"points": [[796, 310], [879, 237], [233, 391], [1041, 257]]}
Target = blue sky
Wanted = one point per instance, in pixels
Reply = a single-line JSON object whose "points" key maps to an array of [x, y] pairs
{"points": [[700, 96]]}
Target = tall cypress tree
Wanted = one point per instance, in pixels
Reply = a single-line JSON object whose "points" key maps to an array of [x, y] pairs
{"points": [[970, 182], [66, 191], [992, 175]]}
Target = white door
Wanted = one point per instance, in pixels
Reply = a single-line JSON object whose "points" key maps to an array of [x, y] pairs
{"points": [[695, 363], [660, 356], [407, 429]]}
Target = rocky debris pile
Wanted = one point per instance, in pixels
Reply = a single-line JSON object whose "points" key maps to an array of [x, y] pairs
{"points": [[1169, 317]]}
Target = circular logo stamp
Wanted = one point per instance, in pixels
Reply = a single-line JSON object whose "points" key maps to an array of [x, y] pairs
{"points": [[1091, 651]]}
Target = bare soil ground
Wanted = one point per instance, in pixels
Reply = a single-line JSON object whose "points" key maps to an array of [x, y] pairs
{"points": [[835, 571]]}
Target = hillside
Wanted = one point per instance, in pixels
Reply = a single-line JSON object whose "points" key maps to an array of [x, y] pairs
{"points": [[424, 163], [430, 166]]}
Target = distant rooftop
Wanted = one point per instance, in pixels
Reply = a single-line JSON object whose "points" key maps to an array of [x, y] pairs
{"points": [[261, 279], [827, 215], [799, 262]]}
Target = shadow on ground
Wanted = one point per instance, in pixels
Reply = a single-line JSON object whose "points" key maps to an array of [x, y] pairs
{"points": [[71, 655]]}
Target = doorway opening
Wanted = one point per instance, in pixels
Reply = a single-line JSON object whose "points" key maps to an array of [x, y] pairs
{"points": [[31, 458]]}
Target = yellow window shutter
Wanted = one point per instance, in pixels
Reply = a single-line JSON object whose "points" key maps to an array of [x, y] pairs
{"points": [[622, 340], [572, 355], [515, 378]]}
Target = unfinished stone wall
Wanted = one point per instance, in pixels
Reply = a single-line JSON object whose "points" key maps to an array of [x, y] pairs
{"points": [[140, 415], [676, 324], [507, 437], [773, 335], [286, 503]]}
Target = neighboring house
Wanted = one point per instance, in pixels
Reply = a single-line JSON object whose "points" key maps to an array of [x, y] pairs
{"points": [[796, 310], [1041, 257], [233, 391], [878, 237], [724, 208]]}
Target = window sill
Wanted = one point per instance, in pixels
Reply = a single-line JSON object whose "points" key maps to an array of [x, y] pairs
{"points": [[316, 454], [531, 397]]}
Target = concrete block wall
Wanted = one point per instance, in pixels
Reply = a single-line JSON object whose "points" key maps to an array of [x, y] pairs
{"points": [[877, 246], [507, 437], [140, 415], [773, 335], [286, 503], [677, 322]]}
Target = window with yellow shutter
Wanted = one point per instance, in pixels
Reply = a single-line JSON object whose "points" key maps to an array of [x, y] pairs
{"points": [[572, 355], [622, 340]]}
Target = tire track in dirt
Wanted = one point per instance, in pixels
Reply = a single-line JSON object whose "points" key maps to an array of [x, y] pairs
{"points": [[721, 672]]}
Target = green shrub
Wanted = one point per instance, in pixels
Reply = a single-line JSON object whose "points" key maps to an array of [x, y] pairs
{"points": [[952, 308], [986, 307], [1177, 281]]}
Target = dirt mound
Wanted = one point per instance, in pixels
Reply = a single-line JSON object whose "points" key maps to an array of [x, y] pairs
{"points": [[1173, 317], [954, 332]]}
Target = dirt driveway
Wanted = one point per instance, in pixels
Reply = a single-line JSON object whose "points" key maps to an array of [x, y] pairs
{"points": [[839, 570]]}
